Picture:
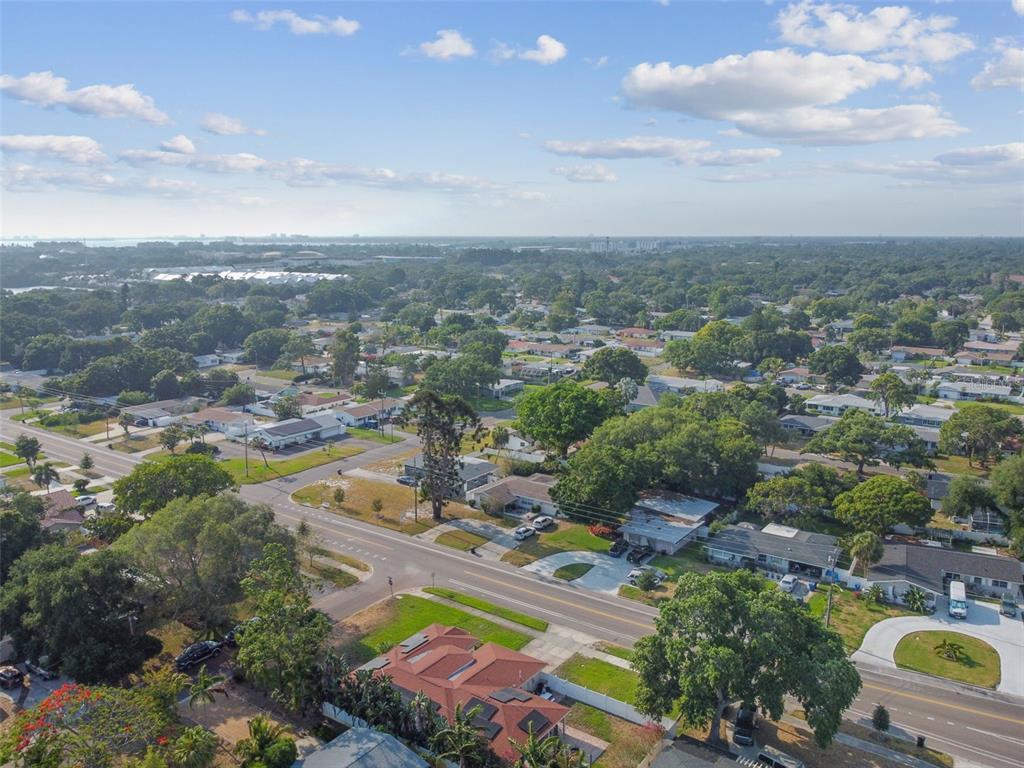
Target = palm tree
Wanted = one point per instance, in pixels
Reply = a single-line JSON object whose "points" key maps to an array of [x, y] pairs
{"points": [[915, 599], [263, 736], [867, 548], [423, 718], [201, 431], [262, 446], [125, 420], [536, 752], [459, 740], [205, 688], [44, 475], [195, 748], [499, 437]]}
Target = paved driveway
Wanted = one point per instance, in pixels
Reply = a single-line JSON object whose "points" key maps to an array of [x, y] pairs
{"points": [[984, 622], [606, 576]]}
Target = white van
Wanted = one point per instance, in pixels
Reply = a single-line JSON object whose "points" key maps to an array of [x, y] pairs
{"points": [[957, 600], [773, 758]]}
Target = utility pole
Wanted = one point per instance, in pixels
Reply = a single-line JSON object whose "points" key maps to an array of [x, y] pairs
{"points": [[245, 442], [831, 586], [416, 502]]}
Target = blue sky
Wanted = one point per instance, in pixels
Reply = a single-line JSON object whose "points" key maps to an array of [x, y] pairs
{"points": [[507, 118]]}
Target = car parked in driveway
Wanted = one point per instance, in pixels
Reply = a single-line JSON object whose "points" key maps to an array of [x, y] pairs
{"points": [[639, 554], [618, 548], [1008, 605], [196, 653], [10, 677], [633, 575], [523, 532], [542, 522], [85, 500], [788, 583], [408, 480], [37, 670], [743, 729]]}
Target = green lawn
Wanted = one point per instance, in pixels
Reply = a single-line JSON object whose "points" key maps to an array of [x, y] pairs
{"points": [[852, 616], [259, 472], [685, 560], [628, 744], [335, 576], [1014, 408], [461, 540], [567, 537], [8, 402], [482, 605], [9, 459], [616, 650], [488, 404], [958, 465], [68, 424], [372, 434], [572, 571], [653, 598], [408, 614], [600, 676], [978, 663]]}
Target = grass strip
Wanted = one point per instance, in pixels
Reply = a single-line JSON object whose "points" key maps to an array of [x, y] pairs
{"points": [[482, 605]]}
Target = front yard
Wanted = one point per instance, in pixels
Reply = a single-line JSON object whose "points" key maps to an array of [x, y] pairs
{"points": [[374, 630], [951, 655], [567, 537], [852, 615]]}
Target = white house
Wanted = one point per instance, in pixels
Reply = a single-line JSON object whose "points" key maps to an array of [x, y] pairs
{"points": [[837, 405], [223, 420], [232, 356], [968, 390], [297, 431], [921, 415], [681, 386], [359, 415], [206, 361], [516, 494], [506, 388], [666, 521]]}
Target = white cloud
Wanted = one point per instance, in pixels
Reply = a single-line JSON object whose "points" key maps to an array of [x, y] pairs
{"points": [[602, 61], [548, 51], [780, 94], [241, 162], [450, 44], [1018, 6], [31, 178], [992, 164], [224, 125], [595, 173], [895, 32], [632, 147], [180, 143], [48, 90], [298, 25], [1005, 72], [80, 150], [681, 151]]}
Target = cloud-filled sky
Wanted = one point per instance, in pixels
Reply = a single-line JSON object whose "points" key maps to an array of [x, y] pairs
{"points": [[658, 118]]}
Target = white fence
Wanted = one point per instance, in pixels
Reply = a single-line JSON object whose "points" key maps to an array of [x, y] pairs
{"points": [[602, 702], [341, 716]]}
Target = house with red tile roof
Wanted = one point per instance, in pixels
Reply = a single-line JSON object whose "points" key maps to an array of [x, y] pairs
{"points": [[451, 667]]}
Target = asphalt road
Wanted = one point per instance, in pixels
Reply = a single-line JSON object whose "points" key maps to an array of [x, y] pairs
{"points": [[984, 730]]}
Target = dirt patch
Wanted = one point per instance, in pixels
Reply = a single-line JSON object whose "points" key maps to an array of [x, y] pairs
{"points": [[229, 715]]}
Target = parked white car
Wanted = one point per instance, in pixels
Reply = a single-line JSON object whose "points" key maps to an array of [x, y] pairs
{"points": [[523, 532], [542, 522], [633, 575], [788, 583], [86, 501]]}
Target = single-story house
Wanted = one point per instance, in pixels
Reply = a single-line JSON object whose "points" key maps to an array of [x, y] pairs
{"points": [[642, 347], [206, 361], [163, 412], [473, 473], [900, 353], [921, 415], [806, 425], [232, 356], [799, 374], [677, 335], [682, 386], [776, 548], [506, 388], [514, 493], [315, 402], [359, 415], [967, 390], [666, 521], [998, 357], [636, 333], [645, 398], [929, 436], [362, 748], [932, 568], [546, 371], [61, 512], [452, 668], [837, 405], [224, 420], [298, 431]]}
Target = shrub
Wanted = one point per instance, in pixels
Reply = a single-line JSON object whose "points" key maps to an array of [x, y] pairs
{"points": [[602, 530]]}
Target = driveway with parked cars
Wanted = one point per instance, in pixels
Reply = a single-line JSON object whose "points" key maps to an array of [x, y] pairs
{"points": [[983, 622], [607, 574]]}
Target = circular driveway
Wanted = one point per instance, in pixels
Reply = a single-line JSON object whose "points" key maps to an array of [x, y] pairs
{"points": [[1004, 634], [607, 575]]}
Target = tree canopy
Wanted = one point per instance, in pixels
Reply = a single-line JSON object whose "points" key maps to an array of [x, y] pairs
{"points": [[151, 484], [881, 502]]}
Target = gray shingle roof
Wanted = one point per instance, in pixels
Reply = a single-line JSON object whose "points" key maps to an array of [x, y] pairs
{"points": [[802, 547], [924, 566]]}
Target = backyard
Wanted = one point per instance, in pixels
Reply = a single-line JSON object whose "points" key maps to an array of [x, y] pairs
{"points": [[628, 744], [600, 676], [567, 537], [951, 655], [852, 614], [372, 631]]}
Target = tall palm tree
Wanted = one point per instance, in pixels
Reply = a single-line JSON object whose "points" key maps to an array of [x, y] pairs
{"points": [[262, 446], [459, 740], [196, 747], [205, 688], [423, 717], [867, 548], [536, 752], [44, 475], [263, 734]]}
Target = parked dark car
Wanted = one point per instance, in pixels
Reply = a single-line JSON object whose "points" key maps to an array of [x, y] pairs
{"points": [[231, 637], [408, 480], [37, 670], [743, 730], [639, 554], [10, 677], [196, 653], [618, 548]]}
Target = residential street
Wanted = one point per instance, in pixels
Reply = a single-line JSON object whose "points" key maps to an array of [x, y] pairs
{"points": [[984, 730]]}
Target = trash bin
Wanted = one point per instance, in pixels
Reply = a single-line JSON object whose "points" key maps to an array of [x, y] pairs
{"points": [[920, 742]]}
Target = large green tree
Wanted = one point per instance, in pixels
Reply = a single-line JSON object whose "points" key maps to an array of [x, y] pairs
{"points": [[978, 432], [612, 364], [965, 495], [1007, 480], [152, 484], [865, 440], [891, 393], [344, 356], [195, 552], [881, 502], [838, 363], [441, 421], [79, 610], [781, 497], [281, 650], [560, 414], [20, 529], [727, 637]]}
